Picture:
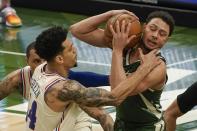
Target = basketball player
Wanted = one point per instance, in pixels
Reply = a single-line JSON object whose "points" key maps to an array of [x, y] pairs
{"points": [[141, 111], [52, 95], [183, 103], [21, 78]]}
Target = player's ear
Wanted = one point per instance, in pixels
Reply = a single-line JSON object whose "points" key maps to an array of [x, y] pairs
{"points": [[144, 26], [59, 59]]}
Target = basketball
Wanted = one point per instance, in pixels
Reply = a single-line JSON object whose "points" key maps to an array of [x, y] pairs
{"points": [[135, 28]]}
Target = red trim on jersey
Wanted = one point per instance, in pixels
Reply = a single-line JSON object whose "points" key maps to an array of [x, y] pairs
{"points": [[24, 84], [52, 83]]}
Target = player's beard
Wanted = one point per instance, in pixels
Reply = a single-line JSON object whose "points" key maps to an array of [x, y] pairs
{"points": [[145, 47]]}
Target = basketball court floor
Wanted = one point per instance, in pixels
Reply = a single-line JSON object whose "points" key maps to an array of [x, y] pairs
{"points": [[180, 52]]}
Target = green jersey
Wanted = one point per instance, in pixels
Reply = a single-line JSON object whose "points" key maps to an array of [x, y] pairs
{"points": [[140, 112]]}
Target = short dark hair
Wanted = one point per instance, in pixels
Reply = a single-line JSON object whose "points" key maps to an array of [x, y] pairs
{"points": [[49, 42], [29, 48], [165, 16]]}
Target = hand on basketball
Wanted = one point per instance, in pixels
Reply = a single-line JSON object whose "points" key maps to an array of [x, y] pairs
{"points": [[121, 36], [115, 12]]}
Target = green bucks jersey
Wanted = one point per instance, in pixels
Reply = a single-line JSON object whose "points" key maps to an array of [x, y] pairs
{"points": [[140, 112]]}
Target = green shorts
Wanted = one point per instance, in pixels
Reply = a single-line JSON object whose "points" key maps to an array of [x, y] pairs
{"points": [[123, 126]]}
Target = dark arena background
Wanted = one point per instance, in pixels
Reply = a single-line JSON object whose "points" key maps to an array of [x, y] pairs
{"points": [[184, 11]]}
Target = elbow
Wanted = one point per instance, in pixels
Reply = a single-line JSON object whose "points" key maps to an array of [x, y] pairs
{"points": [[170, 116], [114, 95], [73, 30], [167, 116], [115, 98]]}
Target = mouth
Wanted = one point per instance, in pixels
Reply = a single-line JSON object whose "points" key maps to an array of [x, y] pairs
{"points": [[75, 56], [152, 43]]}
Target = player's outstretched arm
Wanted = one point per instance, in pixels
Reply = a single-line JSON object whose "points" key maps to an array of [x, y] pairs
{"points": [[88, 30], [71, 90], [101, 115], [9, 83]]}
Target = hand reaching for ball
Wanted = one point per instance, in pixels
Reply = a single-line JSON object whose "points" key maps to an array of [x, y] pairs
{"points": [[133, 30], [121, 36]]}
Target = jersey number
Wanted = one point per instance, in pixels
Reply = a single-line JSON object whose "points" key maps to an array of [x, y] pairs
{"points": [[32, 115]]}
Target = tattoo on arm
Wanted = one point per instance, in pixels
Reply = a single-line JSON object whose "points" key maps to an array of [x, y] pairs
{"points": [[94, 97], [9, 84], [99, 114], [92, 111]]}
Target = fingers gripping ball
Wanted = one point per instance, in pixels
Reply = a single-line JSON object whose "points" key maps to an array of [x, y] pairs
{"points": [[135, 28]]}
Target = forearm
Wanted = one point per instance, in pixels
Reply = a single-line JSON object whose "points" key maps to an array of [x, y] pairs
{"points": [[9, 84], [100, 115], [170, 120], [170, 124], [3, 91], [117, 71], [127, 86], [170, 116], [87, 25], [93, 97], [88, 30]]}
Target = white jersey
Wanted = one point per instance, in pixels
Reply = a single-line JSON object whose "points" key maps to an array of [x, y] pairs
{"points": [[26, 81], [39, 116], [75, 119]]}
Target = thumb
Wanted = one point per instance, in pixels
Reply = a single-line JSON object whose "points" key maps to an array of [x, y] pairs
{"points": [[155, 51], [141, 54]]}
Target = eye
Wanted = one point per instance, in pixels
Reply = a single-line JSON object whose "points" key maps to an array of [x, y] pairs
{"points": [[153, 28], [37, 61], [163, 33]]}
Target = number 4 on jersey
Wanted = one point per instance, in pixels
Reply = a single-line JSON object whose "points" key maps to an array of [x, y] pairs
{"points": [[32, 115]]}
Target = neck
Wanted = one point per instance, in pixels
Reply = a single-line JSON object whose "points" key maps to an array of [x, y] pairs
{"points": [[143, 47], [56, 68]]}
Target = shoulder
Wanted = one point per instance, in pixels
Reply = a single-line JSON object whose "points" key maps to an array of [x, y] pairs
{"points": [[14, 76], [67, 84], [64, 85], [25, 72]]}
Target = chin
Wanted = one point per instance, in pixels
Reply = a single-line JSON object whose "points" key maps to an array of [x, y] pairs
{"points": [[75, 65], [147, 47]]}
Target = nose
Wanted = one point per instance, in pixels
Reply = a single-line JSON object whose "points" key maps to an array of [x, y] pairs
{"points": [[155, 34]]}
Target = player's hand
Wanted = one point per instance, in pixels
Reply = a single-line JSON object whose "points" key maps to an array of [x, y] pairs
{"points": [[115, 12], [150, 60], [107, 123], [121, 36]]}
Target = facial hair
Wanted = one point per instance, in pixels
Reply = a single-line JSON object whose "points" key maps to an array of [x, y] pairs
{"points": [[144, 46]]}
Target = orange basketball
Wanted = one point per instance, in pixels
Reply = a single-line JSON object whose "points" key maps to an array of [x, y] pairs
{"points": [[134, 30]]}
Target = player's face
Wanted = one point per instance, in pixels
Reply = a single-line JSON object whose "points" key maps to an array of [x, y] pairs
{"points": [[34, 60], [156, 33], [69, 54]]}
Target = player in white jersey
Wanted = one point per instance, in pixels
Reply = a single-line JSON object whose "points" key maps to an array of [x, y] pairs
{"points": [[26, 74], [52, 94], [37, 108], [20, 79]]}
